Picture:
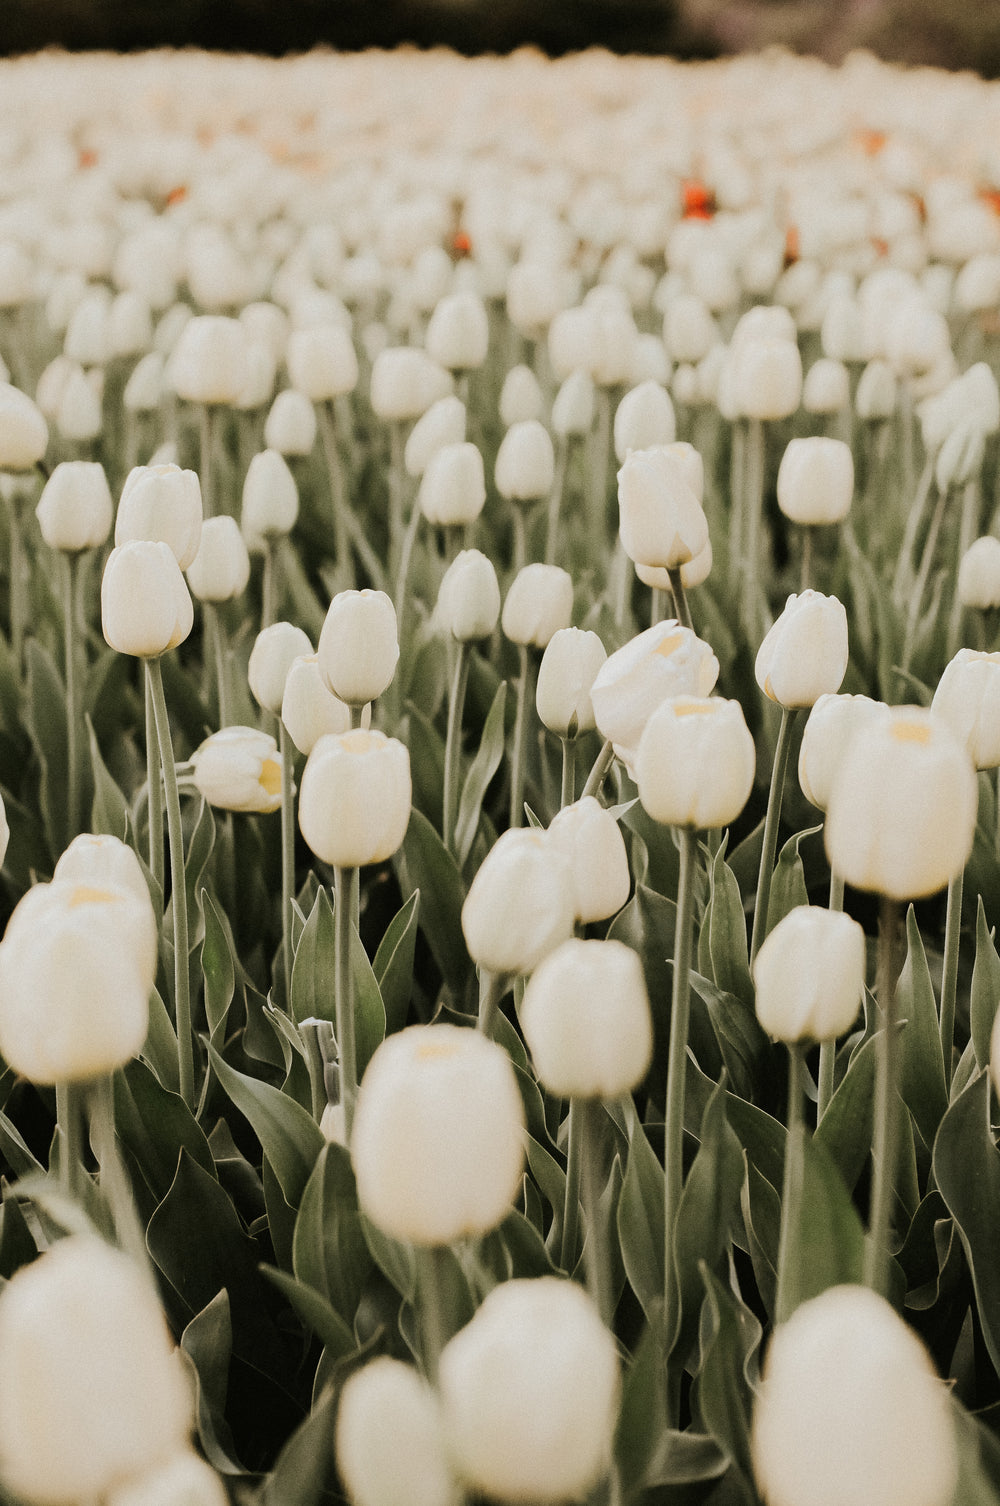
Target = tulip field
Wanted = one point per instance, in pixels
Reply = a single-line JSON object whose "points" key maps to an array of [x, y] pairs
{"points": [[499, 755]]}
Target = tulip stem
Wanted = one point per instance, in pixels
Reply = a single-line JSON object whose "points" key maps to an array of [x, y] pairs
{"points": [[17, 607], [574, 1174], [596, 1249], [771, 823], [397, 482], [335, 473], [949, 976], [680, 1003], [453, 741], [69, 1122], [886, 1136], [70, 577], [490, 989], [828, 1049], [154, 793], [555, 501], [914, 518], [600, 449], [791, 1190], [269, 584], [430, 1293], [287, 854], [600, 770], [214, 628], [344, 883], [178, 888], [655, 606], [520, 737], [206, 435], [113, 1177], [406, 555], [681, 609], [920, 584], [520, 538], [567, 792], [805, 578], [753, 508]]}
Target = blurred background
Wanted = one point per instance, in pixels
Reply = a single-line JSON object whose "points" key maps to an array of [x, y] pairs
{"points": [[949, 33]]}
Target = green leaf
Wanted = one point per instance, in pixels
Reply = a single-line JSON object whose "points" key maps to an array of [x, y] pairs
{"points": [[15, 1148], [424, 863], [393, 965], [109, 812], [208, 1342], [305, 1467], [477, 780], [742, 1043], [314, 969], [197, 853], [788, 882], [923, 1083], [394, 1259], [761, 1207], [978, 1460], [985, 987], [426, 763], [314, 1310], [762, 1137], [724, 925], [369, 1011], [845, 1130], [46, 725], [17, 1243], [154, 1124], [217, 965], [967, 1172], [290, 1137], [640, 1217], [329, 1252], [826, 1240], [160, 1047], [731, 1336]]}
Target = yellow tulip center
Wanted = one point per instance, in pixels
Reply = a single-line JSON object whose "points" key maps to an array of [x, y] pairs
{"points": [[670, 644], [270, 776], [911, 732], [696, 708], [83, 894], [436, 1050]]}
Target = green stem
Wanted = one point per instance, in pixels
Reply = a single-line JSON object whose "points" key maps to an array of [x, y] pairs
{"points": [[155, 794], [206, 436], [17, 606], [597, 1249], [828, 1049], [335, 475], [574, 1173], [397, 486], [69, 1121], [805, 578], [673, 1148], [555, 501], [520, 537], [70, 576], [452, 745], [600, 440], [771, 823], [213, 624], [178, 887], [287, 853], [754, 502], [520, 737], [113, 1176], [269, 584], [914, 518], [920, 584], [600, 770], [949, 976], [737, 509], [490, 990], [791, 1191], [886, 1135], [405, 556], [681, 609], [655, 606], [357, 715], [430, 1289], [567, 793], [344, 882]]}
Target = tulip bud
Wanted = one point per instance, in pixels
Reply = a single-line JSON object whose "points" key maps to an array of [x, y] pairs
{"points": [[827, 387], [845, 1365], [902, 810], [144, 388], [767, 375], [75, 509], [442, 424], [260, 369], [960, 457], [183, 1480], [661, 519], [830, 725], [586, 1020], [270, 497], [535, 294], [146, 606], [569, 666], [644, 419], [468, 603], [979, 574], [270, 660], [877, 392], [207, 364], [24, 433], [79, 415], [308, 709], [816, 480], [573, 406], [87, 340], [591, 839], [238, 769], [405, 382], [520, 904], [105, 862], [162, 503], [389, 1440], [290, 426], [52, 385], [322, 361], [804, 654], [458, 332], [438, 1138], [695, 762], [359, 646], [453, 489], [354, 804], [520, 397], [221, 568], [810, 975], [689, 331], [650, 361], [666, 660], [967, 698], [539, 603], [530, 1391], [83, 1340], [842, 330], [525, 464]]}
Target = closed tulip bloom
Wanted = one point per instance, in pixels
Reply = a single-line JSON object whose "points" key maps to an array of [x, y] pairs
{"points": [[525, 464], [644, 418], [24, 434], [695, 762], [75, 510], [290, 426], [539, 603], [878, 392], [804, 654], [260, 369], [767, 374], [846, 1367], [568, 669], [79, 414], [105, 862], [458, 332], [207, 365], [827, 387], [960, 457], [661, 519], [308, 709], [530, 1391], [322, 361], [389, 1439], [221, 568], [586, 1020], [666, 660], [453, 489], [816, 480], [271, 658], [404, 383], [238, 769], [468, 603], [573, 405], [354, 804], [359, 645], [77, 963], [95, 1390], [146, 606], [902, 811], [182, 1480], [144, 388], [520, 904], [520, 397], [438, 1139], [830, 725], [967, 698], [162, 502], [442, 424], [270, 497], [588, 835], [979, 574], [809, 975]]}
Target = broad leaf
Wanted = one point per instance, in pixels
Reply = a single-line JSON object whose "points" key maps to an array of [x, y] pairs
{"points": [[482, 770], [424, 863], [985, 993], [923, 1082], [967, 1172], [290, 1137], [329, 1252], [393, 965]]}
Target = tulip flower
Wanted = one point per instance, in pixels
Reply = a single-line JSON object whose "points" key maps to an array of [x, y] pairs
{"points": [[590, 838], [237, 769], [389, 1441], [562, 695], [359, 646]]}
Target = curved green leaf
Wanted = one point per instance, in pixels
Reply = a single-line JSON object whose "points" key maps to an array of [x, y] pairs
{"points": [[967, 1172], [290, 1137]]}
